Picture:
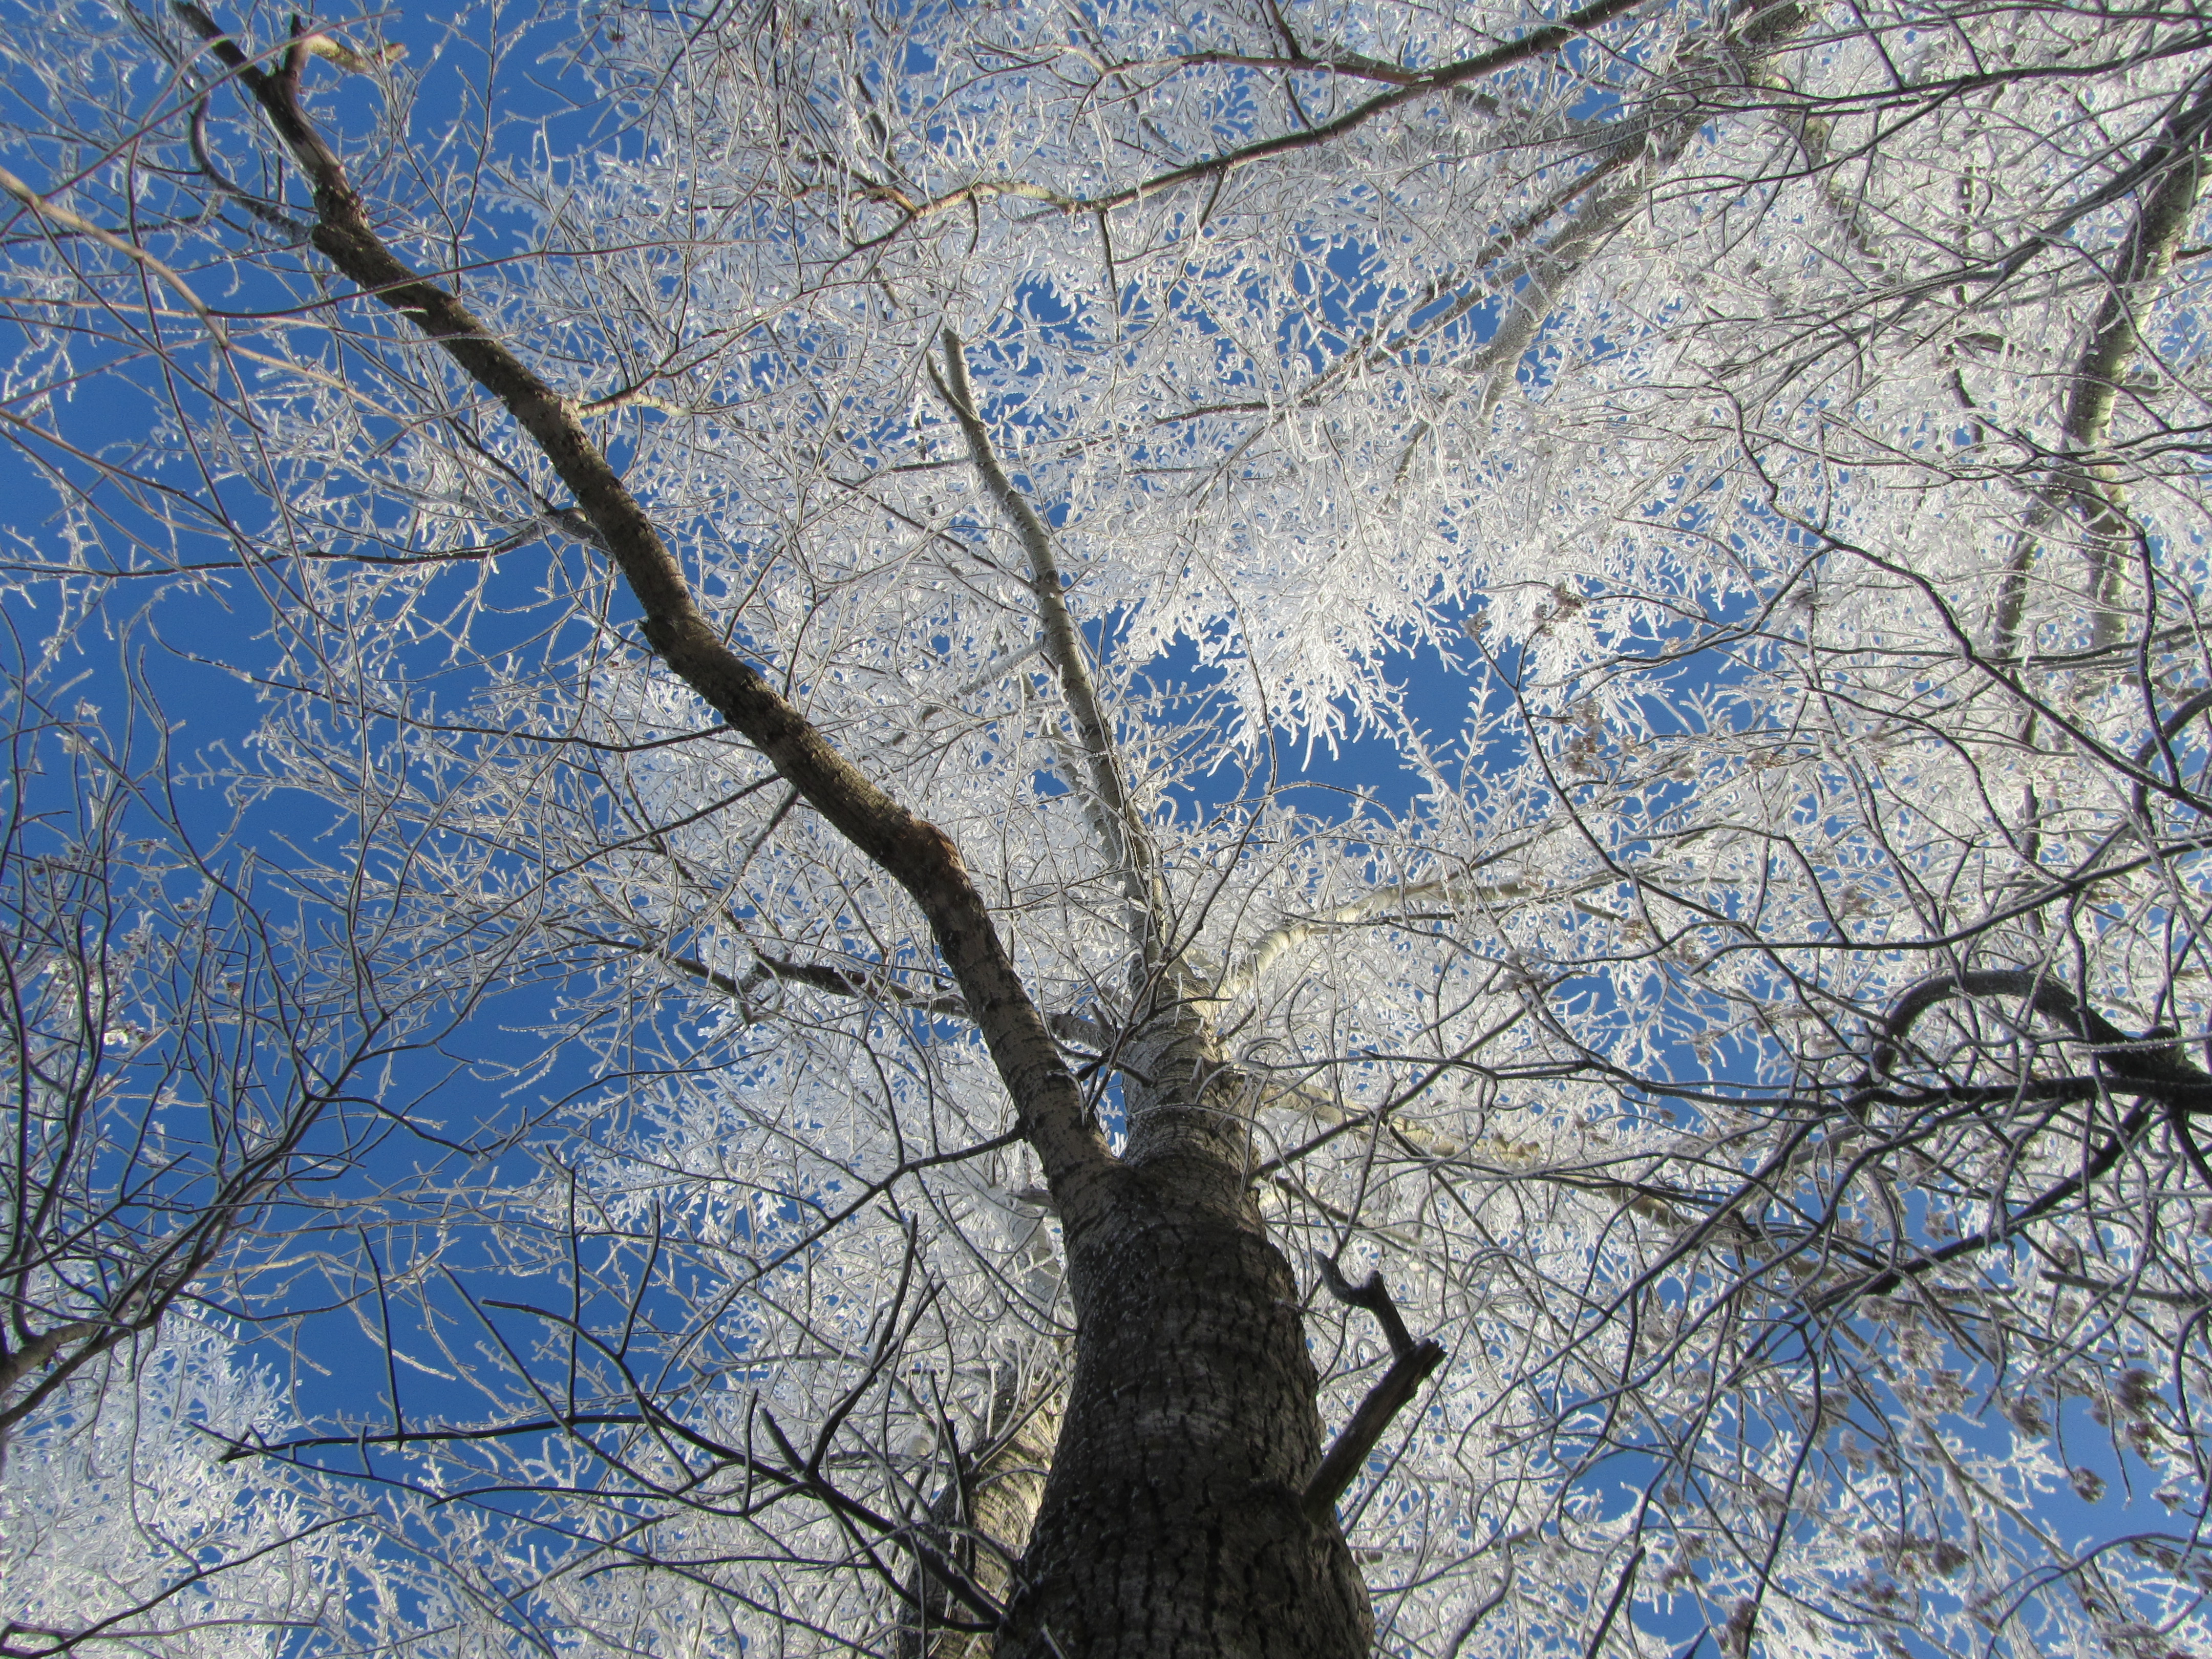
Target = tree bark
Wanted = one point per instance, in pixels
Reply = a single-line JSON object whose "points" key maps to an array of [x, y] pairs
{"points": [[1172, 1521]]}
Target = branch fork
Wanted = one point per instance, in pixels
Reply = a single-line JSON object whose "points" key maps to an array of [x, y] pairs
{"points": [[1410, 1365]]}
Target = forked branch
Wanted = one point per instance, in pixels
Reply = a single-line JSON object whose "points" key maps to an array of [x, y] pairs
{"points": [[1410, 1365]]}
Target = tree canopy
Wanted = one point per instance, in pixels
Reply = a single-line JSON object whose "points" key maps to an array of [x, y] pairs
{"points": [[691, 693]]}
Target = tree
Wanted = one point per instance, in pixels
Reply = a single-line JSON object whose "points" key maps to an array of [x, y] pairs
{"points": [[193, 1054], [803, 551], [122, 1527]]}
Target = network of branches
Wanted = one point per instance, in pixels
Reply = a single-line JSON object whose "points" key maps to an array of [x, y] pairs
{"points": [[1606, 605]]}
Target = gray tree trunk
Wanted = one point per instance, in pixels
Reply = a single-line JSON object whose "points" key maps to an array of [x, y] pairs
{"points": [[1172, 1523]]}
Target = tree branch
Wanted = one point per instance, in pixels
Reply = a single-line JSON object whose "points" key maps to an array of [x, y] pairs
{"points": [[915, 852], [1119, 823], [2090, 486], [2154, 1071], [1536, 43], [1411, 1363]]}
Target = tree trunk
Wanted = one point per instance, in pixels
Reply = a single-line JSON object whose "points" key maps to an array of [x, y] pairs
{"points": [[1172, 1523]]}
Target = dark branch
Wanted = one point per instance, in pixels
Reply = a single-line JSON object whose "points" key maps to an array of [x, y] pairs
{"points": [[1409, 1368], [915, 852]]}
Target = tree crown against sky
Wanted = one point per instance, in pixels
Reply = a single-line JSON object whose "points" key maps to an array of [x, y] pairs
{"points": [[1728, 480]]}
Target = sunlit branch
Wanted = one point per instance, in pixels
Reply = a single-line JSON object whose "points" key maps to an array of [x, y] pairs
{"points": [[70, 220], [1536, 43], [1121, 825], [2082, 479]]}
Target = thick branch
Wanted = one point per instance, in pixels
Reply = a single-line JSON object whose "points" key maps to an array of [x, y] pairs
{"points": [[915, 852], [1411, 1363], [2154, 1071], [2152, 1065], [2080, 480]]}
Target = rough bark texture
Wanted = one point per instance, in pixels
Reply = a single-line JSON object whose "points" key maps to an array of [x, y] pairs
{"points": [[1172, 1523]]}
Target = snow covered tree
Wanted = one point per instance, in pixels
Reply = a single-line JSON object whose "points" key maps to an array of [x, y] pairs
{"points": [[120, 1523], [813, 549], [193, 1056]]}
